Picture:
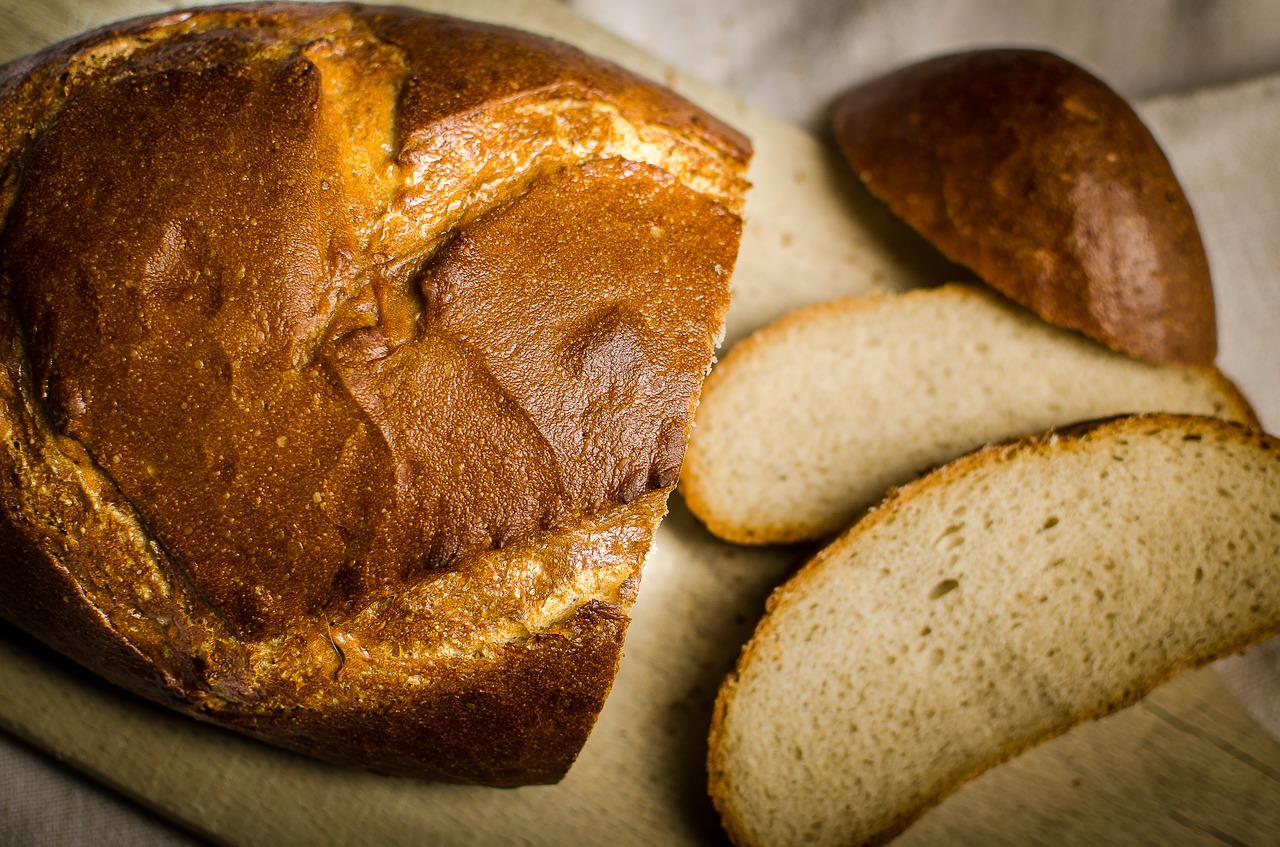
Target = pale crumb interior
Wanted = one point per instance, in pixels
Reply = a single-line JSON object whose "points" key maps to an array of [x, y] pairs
{"points": [[988, 611], [808, 424]]}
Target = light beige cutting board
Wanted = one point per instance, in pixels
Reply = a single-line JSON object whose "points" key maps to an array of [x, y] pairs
{"points": [[1187, 766]]}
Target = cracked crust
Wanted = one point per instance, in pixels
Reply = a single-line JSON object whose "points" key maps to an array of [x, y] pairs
{"points": [[349, 355]]}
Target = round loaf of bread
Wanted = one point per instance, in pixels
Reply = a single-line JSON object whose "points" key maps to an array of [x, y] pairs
{"points": [[347, 359], [1038, 176]]}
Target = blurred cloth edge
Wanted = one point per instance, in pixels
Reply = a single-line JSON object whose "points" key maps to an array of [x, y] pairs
{"points": [[1202, 67], [793, 59], [83, 812]]}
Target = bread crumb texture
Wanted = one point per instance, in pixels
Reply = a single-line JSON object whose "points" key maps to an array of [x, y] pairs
{"points": [[987, 607], [807, 423], [351, 352]]}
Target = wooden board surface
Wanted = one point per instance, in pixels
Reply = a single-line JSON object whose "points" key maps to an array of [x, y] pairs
{"points": [[1186, 766]]}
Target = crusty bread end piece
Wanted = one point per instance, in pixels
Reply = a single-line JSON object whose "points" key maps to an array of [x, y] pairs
{"points": [[807, 423], [989, 606], [1033, 172]]}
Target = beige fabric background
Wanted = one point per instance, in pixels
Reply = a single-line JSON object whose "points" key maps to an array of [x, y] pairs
{"points": [[790, 57], [1200, 71]]}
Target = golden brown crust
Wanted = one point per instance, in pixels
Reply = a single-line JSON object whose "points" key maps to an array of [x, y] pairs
{"points": [[513, 716], [349, 355], [1039, 177]]}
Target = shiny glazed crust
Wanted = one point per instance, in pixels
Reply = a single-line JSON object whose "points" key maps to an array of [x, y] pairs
{"points": [[349, 356], [1039, 177]]}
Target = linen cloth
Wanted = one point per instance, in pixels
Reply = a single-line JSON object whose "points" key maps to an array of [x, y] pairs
{"points": [[1205, 75]]}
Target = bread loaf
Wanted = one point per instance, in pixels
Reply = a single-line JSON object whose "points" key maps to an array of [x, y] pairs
{"points": [[806, 423], [988, 606], [347, 359], [1031, 171]]}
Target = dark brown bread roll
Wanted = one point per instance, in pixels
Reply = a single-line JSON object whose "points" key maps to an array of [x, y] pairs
{"points": [[348, 359], [1035, 174]]}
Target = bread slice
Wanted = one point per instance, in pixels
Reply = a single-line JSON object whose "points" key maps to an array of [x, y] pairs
{"points": [[988, 606], [805, 424], [348, 356], [1033, 172]]}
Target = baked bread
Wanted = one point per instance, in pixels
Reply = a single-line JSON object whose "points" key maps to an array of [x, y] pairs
{"points": [[347, 359], [987, 607], [807, 423], [1035, 174]]}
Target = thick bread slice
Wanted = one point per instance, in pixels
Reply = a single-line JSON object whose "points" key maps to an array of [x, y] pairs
{"points": [[805, 424], [987, 607], [347, 359]]}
